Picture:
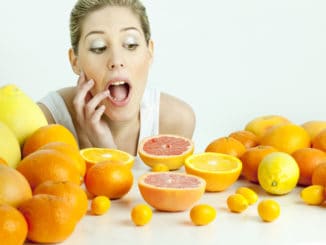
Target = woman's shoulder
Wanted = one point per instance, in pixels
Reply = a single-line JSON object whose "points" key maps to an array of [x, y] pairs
{"points": [[176, 116]]}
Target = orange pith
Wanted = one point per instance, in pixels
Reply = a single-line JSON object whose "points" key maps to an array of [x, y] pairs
{"points": [[219, 170], [95, 155]]}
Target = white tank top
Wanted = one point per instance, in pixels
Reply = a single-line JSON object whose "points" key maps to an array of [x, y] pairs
{"points": [[149, 112]]}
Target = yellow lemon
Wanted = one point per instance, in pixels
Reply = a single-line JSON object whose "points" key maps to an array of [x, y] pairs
{"points": [[202, 214], [9, 146], [278, 173], [21, 114]]}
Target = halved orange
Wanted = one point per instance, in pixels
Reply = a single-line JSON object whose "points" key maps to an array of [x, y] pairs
{"points": [[218, 169], [93, 155]]}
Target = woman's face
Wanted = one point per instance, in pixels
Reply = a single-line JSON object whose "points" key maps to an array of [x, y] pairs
{"points": [[113, 52]]}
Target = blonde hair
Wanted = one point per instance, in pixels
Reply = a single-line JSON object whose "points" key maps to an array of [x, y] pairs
{"points": [[84, 7]]}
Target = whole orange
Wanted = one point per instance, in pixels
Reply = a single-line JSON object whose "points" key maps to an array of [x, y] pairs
{"points": [[314, 127], [261, 124], [47, 134], [319, 142], [43, 165], [287, 138], [109, 178], [247, 138], [13, 226], [50, 218], [308, 159], [251, 159], [74, 195], [226, 145], [14, 188], [319, 174], [71, 151]]}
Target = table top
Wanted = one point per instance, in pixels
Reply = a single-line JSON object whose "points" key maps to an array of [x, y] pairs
{"points": [[298, 223]]}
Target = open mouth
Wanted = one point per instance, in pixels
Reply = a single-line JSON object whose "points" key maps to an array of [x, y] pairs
{"points": [[119, 91]]}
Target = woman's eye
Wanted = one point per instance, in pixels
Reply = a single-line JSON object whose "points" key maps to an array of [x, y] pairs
{"points": [[98, 50], [131, 46]]}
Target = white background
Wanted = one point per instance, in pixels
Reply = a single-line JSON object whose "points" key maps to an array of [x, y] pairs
{"points": [[231, 60]]}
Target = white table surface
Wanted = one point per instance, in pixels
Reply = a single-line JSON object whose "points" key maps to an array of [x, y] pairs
{"points": [[298, 223]]}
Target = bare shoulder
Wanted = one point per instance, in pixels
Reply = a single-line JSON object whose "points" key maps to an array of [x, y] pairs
{"points": [[176, 116], [67, 94]]}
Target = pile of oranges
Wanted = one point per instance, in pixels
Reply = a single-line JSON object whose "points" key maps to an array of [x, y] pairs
{"points": [[50, 188]]}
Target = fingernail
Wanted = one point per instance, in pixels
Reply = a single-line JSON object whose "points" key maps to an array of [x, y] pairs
{"points": [[91, 82]]}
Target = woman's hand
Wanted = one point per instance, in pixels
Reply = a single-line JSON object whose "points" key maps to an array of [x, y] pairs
{"points": [[89, 114]]}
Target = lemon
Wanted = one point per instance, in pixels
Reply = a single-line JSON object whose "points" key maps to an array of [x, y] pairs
{"points": [[21, 114], [202, 214], [100, 205], [278, 173], [9, 146], [141, 214]]}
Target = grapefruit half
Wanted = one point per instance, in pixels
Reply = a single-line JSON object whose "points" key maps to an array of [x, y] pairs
{"points": [[171, 150], [171, 191]]}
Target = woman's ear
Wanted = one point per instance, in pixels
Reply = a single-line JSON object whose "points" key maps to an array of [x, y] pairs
{"points": [[74, 61], [151, 50]]}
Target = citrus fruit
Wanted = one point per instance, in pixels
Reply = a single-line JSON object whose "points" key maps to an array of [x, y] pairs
{"points": [[247, 138], [50, 218], [70, 151], [314, 127], [278, 173], [9, 146], [251, 159], [226, 145], [21, 114], [100, 205], [109, 178], [171, 150], [168, 191], [313, 194], [307, 159], [43, 165], [72, 193], [14, 188], [13, 226], [248, 193], [287, 138], [268, 210], [160, 167], [95, 155], [202, 214], [47, 134], [237, 203], [260, 125], [319, 174], [141, 214], [319, 142], [3, 162], [219, 170]]}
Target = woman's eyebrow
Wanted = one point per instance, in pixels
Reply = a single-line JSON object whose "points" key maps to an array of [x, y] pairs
{"points": [[122, 30]]}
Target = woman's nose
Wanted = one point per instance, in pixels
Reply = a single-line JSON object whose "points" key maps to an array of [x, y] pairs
{"points": [[115, 61]]}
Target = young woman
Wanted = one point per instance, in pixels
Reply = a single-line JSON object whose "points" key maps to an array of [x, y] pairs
{"points": [[111, 106]]}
